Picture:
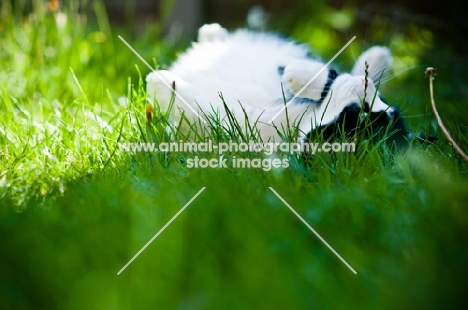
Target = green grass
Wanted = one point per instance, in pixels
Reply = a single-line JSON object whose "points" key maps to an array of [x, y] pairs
{"points": [[63, 76], [74, 208]]}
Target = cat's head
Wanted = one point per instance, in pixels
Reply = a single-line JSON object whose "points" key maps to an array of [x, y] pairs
{"points": [[353, 103]]}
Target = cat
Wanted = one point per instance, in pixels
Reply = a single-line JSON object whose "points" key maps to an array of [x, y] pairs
{"points": [[257, 73]]}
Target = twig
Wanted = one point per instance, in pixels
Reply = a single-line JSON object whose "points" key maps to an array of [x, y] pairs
{"points": [[430, 73], [149, 114]]}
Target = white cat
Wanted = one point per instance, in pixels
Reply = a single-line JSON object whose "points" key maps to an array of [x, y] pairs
{"points": [[257, 73]]}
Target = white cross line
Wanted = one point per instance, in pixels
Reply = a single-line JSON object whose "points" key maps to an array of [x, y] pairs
{"points": [[311, 80], [308, 226], [161, 230], [159, 76]]}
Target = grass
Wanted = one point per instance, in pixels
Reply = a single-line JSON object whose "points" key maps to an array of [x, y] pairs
{"points": [[74, 208], [62, 80]]}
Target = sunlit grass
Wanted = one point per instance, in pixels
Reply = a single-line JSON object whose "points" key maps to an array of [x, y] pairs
{"points": [[62, 83]]}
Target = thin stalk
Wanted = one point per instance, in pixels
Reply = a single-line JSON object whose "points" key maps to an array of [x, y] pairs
{"points": [[430, 73]]}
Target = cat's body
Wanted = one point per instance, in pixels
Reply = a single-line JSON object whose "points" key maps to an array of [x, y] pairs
{"points": [[256, 73]]}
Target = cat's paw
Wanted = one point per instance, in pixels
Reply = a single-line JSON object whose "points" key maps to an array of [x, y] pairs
{"points": [[379, 61], [300, 73], [161, 85], [212, 32], [166, 87]]}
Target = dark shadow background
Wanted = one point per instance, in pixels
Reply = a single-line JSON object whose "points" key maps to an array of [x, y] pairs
{"points": [[445, 18]]}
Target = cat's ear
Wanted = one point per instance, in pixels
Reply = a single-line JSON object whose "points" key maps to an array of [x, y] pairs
{"points": [[380, 61], [211, 33]]}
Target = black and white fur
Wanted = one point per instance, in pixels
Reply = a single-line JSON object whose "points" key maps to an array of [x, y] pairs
{"points": [[255, 71]]}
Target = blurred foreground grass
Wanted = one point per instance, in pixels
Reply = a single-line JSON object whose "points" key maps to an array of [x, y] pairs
{"points": [[400, 221], [237, 246]]}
